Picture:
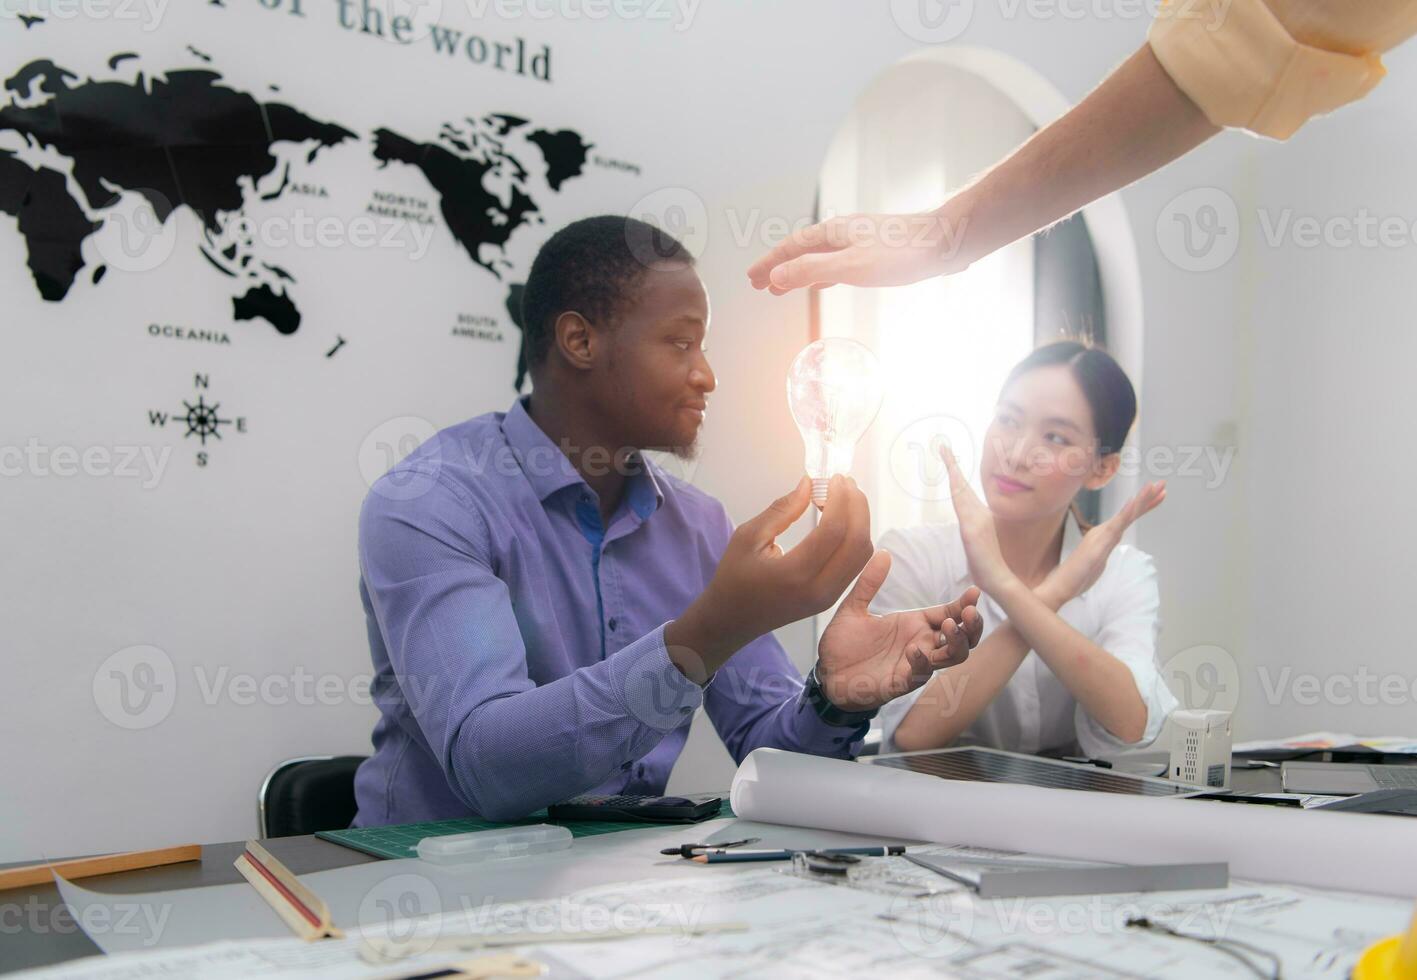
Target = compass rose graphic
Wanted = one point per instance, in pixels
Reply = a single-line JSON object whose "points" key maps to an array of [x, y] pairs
{"points": [[202, 420]]}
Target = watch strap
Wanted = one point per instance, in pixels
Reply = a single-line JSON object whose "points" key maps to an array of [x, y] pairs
{"points": [[837, 717]]}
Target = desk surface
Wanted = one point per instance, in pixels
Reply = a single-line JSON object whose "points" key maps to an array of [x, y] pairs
{"points": [[36, 929]]}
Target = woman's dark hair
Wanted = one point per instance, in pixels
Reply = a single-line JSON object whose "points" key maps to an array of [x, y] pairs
{"points": [[1104, 384]]}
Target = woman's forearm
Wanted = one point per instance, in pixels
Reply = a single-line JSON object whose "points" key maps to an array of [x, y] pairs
{"points": [[1100, 682], [1136, 121], [952, 699]]}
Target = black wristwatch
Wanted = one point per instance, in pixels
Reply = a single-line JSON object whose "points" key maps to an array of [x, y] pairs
{"points": [[828, 712]]}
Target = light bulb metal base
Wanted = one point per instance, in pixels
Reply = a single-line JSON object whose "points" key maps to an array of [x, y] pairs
{"points": [[819, 491]]}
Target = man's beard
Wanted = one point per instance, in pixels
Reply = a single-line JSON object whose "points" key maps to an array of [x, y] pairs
{"points": [[674, 445], [687, 453]]}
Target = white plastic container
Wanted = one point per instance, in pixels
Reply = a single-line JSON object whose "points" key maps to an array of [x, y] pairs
{"points": [[494, 845], [1200, 747]]}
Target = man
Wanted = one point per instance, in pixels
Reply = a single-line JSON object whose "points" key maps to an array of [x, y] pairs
{"points": [[546, 607], [1265, 66]]}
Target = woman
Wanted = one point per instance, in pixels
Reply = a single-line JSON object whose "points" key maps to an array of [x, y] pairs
{"points": [[1070, 614]]}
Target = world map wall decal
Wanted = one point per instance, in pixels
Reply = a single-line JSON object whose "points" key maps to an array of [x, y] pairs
{"points": [[185, 137]]}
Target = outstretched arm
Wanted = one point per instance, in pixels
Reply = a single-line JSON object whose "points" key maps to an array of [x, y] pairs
{"points": [[1135, 122], [1266, 67]]}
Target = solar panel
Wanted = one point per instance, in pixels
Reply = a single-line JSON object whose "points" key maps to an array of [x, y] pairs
{"points": [[994, 766]]}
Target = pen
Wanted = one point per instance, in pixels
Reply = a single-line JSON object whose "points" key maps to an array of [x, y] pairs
{"points": [[689, 850], [731, 857]]}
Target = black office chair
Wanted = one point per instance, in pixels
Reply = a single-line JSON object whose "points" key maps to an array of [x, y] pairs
{"points": [[301, 796]]}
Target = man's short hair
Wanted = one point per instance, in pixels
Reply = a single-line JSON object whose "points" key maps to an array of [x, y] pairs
{"points": [[590, 267]]}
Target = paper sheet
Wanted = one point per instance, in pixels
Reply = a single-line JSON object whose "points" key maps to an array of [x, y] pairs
{"points": [[1309, 740], [119, 923], [833, 931], [1396, 744], [275, 959], [381, 891], [1355, 852]]}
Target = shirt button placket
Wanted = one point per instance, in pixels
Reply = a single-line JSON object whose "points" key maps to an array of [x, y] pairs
{"points": [[607, 590]]}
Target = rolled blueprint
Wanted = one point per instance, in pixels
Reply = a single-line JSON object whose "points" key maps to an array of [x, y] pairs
{"points": [[1350, 851]]}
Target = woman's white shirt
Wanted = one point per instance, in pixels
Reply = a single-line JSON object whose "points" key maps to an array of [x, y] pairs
{"points": [[1034, 711]]}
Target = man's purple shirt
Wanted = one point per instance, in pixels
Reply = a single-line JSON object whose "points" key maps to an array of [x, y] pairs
{"points": [[518, 643]]}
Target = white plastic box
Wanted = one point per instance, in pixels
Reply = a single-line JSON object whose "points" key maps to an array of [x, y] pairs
{"points": [[494, 845], [1200, 748]]}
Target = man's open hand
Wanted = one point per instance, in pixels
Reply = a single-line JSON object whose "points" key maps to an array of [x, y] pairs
{"points": [[865, 660]]}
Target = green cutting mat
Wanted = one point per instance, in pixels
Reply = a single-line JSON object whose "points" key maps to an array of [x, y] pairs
{"points": [[401, 840]]}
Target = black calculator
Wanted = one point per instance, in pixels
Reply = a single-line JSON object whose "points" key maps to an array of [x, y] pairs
{"points": [[638, 809]]}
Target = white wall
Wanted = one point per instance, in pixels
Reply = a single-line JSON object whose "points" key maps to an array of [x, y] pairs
{"points": [[253, 567], [1332, 418], [1294, 571]]}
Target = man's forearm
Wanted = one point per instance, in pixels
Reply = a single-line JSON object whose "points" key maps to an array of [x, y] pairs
{"points": [[699, 643], [518, 752], [1135, 122], [757, 701], [709, 632]]}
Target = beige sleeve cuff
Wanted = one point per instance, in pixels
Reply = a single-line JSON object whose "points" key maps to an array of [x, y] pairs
{"points": [[1244, 70]]}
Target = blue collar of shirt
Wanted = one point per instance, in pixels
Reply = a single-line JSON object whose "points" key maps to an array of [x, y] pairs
{"points": [[548, 470]]}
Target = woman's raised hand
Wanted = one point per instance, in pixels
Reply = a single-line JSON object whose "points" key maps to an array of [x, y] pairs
{"points": [[987, 567], [1080, 570]]}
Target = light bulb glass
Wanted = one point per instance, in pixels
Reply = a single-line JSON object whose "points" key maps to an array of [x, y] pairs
{"points": [[834, 390]]}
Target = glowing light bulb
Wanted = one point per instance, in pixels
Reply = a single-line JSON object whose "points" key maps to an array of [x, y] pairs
{"points": [[834, 389]]}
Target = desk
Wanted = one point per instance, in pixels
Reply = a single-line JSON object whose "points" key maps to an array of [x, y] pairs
{"points": [[35, 928]]}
